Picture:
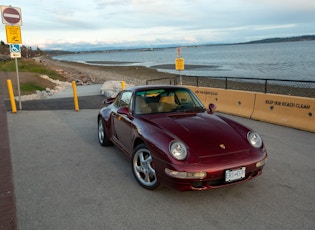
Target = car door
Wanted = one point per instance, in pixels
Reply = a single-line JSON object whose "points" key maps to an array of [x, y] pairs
{"points": [[122, 123]]}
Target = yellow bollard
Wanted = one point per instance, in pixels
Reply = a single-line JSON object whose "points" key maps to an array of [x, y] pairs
{"points": [[11, 94], [75, 96], [123, 85]]}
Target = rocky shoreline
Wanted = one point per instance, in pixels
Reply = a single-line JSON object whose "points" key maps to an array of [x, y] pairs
{"points": [[85, 74], [95, 74], [88, 74]]}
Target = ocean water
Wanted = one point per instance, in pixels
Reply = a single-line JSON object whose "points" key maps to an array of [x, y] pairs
{"points": [[286, 60]]}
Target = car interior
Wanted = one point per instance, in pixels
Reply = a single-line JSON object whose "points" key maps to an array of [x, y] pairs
{"points": [[160, 101]]}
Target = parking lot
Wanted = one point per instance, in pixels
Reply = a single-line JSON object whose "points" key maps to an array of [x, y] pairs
{"points": [[64, 179]]}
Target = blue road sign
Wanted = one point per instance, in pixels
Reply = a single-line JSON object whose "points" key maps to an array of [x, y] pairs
{"points": [[15, 48]]}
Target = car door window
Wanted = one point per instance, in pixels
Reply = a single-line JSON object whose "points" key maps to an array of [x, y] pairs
{"points": [[117, 100], [125, 99]]}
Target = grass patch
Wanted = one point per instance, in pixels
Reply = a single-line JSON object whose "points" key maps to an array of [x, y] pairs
{"points": [[29, 65], [30, 87]]}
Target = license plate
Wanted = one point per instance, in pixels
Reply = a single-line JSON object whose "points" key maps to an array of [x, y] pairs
{"points": [[235, 174]]}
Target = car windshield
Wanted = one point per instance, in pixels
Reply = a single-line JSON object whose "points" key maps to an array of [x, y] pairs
{"points": [[166, 100]]}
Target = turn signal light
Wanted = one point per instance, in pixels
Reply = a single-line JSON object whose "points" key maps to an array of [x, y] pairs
{"points": [[261, 163], [185, 175]]}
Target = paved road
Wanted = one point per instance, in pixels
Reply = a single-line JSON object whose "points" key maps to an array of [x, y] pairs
{"points": [[85, 102], [89, 98], [65, 180]]}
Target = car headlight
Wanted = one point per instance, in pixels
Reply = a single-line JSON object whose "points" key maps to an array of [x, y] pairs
{"points": [[254, 139], [178, 150]]}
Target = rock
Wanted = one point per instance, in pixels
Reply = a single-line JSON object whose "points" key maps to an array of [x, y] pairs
{"points": [[84, 79], [112, 88], [93, 79]]}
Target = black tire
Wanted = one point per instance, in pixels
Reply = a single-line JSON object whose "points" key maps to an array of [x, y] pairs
{"points": [[142, 167], [102, 136]]}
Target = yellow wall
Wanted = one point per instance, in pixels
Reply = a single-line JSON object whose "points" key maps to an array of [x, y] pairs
{"points": [[296, 112]]}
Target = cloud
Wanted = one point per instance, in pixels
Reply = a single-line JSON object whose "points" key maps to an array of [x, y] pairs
{"points": [[297, 5], [161, 21], [274, 27]]}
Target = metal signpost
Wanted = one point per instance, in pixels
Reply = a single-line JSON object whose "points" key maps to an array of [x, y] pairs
{"points": [[179, 64], [12, 18]]}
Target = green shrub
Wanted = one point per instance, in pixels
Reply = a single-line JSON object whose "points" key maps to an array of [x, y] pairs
{"points": [[28, 65]]}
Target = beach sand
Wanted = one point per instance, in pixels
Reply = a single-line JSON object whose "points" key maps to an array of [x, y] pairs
{"points": [[138, 75], [88, 73], [82, 73]]}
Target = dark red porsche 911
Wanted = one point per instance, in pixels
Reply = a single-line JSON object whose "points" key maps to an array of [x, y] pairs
{"points": [[173, 140]]}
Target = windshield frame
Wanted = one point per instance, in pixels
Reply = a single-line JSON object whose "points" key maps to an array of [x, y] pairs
{"points": [[183, 100]]}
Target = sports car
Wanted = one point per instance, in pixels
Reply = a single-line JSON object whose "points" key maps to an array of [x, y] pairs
{"points": [[173, 140]]}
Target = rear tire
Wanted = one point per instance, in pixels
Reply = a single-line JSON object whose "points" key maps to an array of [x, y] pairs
{"points": [[102, 135], [142, 167]]}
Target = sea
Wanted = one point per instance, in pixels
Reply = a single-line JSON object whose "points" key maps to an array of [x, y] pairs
{"points": [[283, 60]]}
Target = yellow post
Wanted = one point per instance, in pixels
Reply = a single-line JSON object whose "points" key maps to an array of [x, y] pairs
{"points": [[123, 85], [75, 96], [10, 89]]}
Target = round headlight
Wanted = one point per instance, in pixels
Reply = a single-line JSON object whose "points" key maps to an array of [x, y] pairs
{"points": [[178, 150], [254, 139]]}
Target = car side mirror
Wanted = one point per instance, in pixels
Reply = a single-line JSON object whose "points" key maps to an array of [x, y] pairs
{"points": [[212, 108], [123, 111], [109, 101]]}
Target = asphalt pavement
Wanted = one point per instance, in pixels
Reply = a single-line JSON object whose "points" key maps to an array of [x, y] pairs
{"points": [[63, 179], [89, 97]]}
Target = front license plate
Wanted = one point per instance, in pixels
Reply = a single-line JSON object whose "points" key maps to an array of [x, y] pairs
{"points": [[235, 174]]}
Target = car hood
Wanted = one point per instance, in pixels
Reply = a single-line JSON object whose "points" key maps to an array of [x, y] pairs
{"points": [[204, 134]]}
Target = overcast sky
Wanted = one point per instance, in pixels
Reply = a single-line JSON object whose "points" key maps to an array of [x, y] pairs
{"points": [[62, 24]]}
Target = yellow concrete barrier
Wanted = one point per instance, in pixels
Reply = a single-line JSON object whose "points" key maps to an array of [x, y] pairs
{"points": [[201, 93], [236, 102], [296, 112]]}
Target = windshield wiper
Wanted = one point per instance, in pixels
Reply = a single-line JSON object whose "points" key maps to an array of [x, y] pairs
{"points": [[191, 109]]}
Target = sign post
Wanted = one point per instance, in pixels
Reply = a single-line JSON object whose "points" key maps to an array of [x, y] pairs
{"points": [[12, 18], [179, 64]]}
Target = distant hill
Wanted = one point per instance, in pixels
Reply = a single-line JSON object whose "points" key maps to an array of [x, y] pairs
{"points": [[288, 39], [89, 49], [28, 52]]}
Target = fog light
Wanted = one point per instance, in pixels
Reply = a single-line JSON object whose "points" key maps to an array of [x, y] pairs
{"points": [[261, 163], [185, 175]]}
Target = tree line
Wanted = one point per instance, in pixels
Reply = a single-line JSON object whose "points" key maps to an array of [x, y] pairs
{"points": [[26, 52]]}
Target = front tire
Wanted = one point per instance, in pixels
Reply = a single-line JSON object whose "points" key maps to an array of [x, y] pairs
{"points": [[142, 167], [102, 135]]}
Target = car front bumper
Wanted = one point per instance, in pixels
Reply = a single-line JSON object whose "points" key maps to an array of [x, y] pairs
{"points": [[202, 177]]}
